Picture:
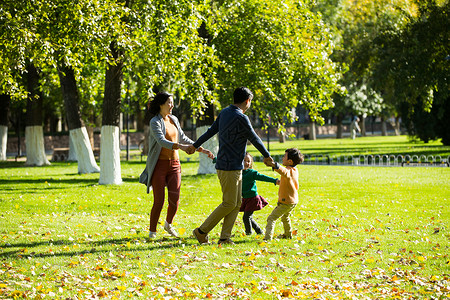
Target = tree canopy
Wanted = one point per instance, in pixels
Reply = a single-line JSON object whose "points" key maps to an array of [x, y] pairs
{"points": [[280, 50]]}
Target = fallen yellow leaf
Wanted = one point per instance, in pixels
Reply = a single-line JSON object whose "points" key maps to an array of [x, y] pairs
{"points": [[421, 258], [182, 230]]}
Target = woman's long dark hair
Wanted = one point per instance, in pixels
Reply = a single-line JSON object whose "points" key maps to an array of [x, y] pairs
{"points": [[158, 100]]}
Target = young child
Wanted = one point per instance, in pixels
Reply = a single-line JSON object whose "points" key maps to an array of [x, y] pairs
{"points": [[251, 201], [287, 193]]}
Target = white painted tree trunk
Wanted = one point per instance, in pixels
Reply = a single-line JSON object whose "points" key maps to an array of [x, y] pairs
{"points": [[72, 151], [146, 135], [4, 141], [34, 141], [383, 128], [312, 131], [83, 151], [206, 166], [110, 172]]}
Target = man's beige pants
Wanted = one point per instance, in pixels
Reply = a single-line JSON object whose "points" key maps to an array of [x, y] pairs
{"points": [[228, 210], [282, 211]]}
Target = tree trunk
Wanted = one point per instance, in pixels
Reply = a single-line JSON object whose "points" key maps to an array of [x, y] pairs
{"points": [[78, 133], [312, 131], [282, 137], [363, 125], [72, 153], [147, 118], [205, 164], [397, 125], [339, 118], [34, 133], [110, 172], [139, 118], [383, 126], [5, 101]]}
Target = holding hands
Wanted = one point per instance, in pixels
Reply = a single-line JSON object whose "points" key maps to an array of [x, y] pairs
{"points": [[206, 151], [186, 148], [268, 161], [190, 149]]}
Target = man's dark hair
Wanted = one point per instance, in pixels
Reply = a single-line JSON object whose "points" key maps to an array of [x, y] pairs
{"points": [[158, 100], [295, 155], [241, 94]]}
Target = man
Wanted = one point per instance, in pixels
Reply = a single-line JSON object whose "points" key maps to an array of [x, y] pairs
{"points": [[234, 130], [354, 127]]}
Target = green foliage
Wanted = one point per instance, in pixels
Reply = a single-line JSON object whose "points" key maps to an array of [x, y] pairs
{"points": [[416, 60], [427, 124], [281, 51], [168, 53], [357, 24]]}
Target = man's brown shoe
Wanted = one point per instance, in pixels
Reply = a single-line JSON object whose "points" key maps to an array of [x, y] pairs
{"points": [[284, 236], [225, 242], [201, 238]]}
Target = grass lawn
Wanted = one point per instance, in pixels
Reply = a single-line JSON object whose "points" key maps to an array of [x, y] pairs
{"points": [[360, 232]]}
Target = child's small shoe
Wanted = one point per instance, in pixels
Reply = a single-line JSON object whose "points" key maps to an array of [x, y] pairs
{"points": [[152, 235]]}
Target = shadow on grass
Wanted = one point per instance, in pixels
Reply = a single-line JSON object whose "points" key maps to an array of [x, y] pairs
{"points": [[21, 164], [142, 163], [120, 245], [18, 182]]}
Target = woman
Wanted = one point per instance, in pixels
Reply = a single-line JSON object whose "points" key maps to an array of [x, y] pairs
{"points": [[163, 164]]}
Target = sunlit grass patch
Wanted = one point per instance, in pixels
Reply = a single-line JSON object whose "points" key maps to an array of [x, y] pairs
{"points": [[358, 232]]}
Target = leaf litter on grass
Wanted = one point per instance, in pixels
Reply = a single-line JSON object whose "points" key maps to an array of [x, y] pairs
{"points": [[349, 242]]}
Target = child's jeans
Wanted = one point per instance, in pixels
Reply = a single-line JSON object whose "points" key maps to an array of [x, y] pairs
{"points": [[282, 211], [249, 222]]}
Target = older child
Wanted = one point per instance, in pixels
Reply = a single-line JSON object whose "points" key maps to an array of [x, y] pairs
{"points": [[251, 201], [287, 193]]}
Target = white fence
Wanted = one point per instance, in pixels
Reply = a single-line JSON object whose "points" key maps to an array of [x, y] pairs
{"points": [[373, 160]]}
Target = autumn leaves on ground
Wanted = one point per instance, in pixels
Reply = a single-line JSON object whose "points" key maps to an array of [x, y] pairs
{"points": [[360, 232]]}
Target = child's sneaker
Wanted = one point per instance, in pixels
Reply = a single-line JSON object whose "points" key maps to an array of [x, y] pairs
{"points": [[152, 235], [170, 230]]}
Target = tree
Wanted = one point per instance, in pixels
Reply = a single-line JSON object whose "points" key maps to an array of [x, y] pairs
{"points": [[356, 25], [363, 101], [171, 55], [4, 112], [78, 133], [280, 51], [20, 59], [55, 34], [110, 172], [77, 34], [414, 62], [34, 134]]}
